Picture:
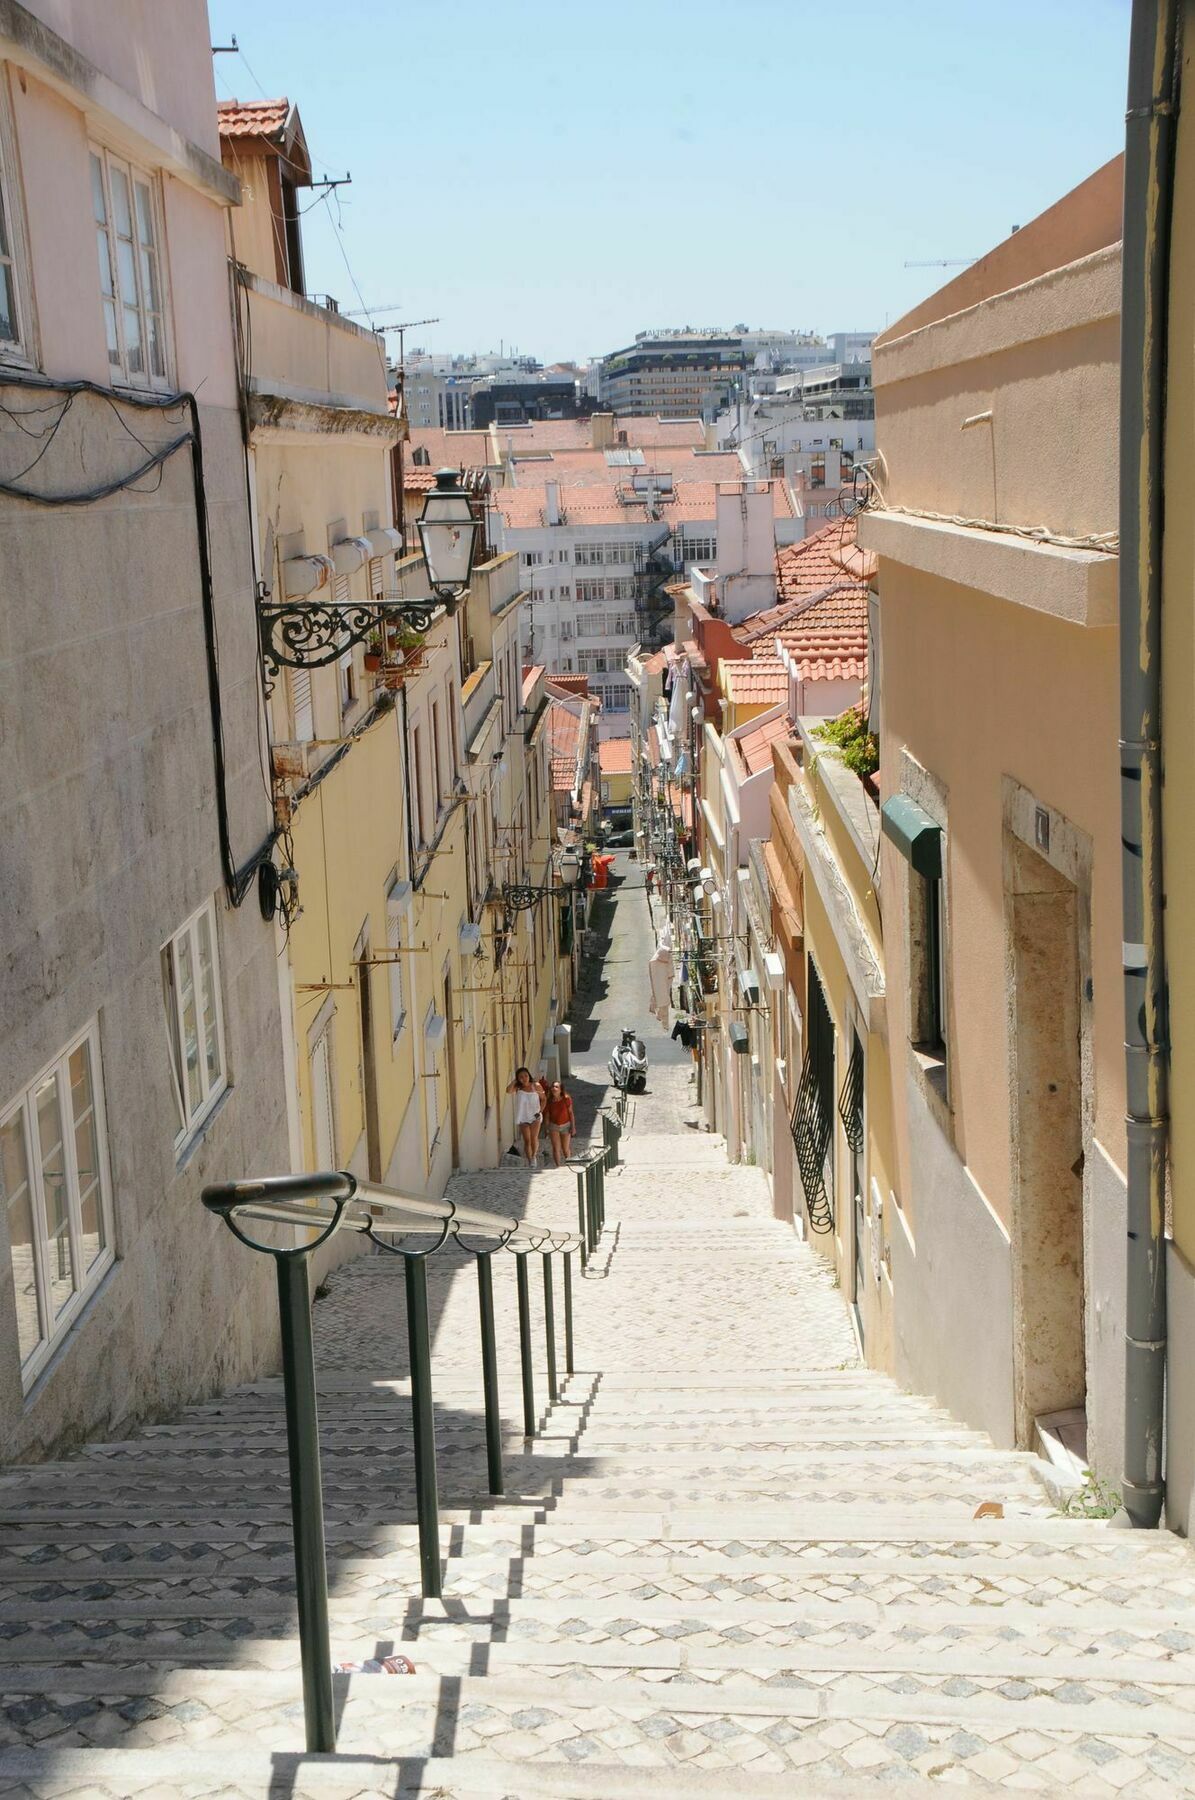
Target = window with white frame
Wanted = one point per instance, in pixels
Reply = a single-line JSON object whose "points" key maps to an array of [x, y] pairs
{"points": [[431, 1080], [57, 1196], [14, 306], [128, 237], [194, 1018], [323, 1110], [398, 898], [302, 709]]}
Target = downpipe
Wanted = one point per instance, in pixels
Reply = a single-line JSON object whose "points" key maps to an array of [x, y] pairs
{"points": [[1148, 180]]}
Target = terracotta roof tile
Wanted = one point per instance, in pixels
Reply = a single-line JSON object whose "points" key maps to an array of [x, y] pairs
{"points": [[252, 118], [827, 637], [577, 434], [451, 449], [597, 502], [754, 681], [821, 558], [417, 478], [755, 745], [569, 684], [614, 756]]}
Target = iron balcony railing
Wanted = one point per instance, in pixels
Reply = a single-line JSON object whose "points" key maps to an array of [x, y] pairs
{"points": [[320, 1205]]}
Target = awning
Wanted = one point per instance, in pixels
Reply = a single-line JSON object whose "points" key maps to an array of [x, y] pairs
{"points": [[915, 834]]}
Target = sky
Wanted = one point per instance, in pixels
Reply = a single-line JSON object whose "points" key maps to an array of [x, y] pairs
{"points": [[556, 177]]}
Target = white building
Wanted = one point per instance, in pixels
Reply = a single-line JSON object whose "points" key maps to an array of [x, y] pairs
{"points": [[602, 536]]}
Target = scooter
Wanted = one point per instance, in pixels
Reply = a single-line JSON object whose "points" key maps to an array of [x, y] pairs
{"points": [[628, 1063]]}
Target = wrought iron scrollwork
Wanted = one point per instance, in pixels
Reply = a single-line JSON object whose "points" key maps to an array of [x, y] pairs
{"points": [[301, 635], [517, 898]]}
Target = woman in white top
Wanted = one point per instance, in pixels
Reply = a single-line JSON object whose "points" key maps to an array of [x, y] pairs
{"points": [[529, 1106]]}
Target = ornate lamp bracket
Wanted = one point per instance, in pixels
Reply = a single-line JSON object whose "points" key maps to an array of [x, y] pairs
{"points": [[300, 634]]}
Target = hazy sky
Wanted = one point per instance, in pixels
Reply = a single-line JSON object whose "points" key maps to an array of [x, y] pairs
{"points": [[559, 176]]}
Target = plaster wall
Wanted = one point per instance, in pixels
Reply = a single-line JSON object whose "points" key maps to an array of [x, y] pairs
{"points": [[1045, 713], [952, 1280], [1042, 361], [110, 843]]}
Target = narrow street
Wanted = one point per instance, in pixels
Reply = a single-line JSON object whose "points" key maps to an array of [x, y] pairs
{"points": [[732, 1561]]}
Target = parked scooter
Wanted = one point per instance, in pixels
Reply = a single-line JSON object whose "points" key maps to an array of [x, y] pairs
{"points": [[628, 1063]]}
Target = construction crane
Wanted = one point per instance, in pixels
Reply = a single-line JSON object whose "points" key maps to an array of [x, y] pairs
{"points": [[944, 262]]}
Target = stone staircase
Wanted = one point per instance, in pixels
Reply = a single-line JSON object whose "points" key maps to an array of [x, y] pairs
{"points": [[732, 1561]]}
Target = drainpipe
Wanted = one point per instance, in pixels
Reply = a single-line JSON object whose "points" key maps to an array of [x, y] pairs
{"points": [[1149, 149]]}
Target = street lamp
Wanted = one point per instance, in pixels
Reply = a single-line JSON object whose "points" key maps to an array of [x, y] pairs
{"points": [[311, 627], [448, 536]]}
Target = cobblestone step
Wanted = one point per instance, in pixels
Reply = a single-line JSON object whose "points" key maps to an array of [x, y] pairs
{"points": [[804, 1733]]}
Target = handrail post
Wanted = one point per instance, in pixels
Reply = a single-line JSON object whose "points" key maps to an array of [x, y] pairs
{"points": [[591, 1205], [582, 1215], [489, 1371], [423, 1426], [550, 1328], [568, 1312], [611, 1132], [306, 1498], [525, 1346]]}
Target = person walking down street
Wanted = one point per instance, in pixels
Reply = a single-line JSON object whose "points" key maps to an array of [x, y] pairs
{"points": [[529, 1102], [562, 1121]]}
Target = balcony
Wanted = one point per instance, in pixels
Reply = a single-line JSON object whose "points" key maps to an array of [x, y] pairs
{"points": [[306, 355]]}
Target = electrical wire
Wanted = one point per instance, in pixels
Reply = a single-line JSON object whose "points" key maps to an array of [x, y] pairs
{"points": [[238, 881]]}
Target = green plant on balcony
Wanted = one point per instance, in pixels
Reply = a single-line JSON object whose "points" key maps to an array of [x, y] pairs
{"points": [[858, 748]]}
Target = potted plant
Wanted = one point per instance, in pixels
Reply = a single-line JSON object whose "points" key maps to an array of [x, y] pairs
{"points": [[373, 652]]}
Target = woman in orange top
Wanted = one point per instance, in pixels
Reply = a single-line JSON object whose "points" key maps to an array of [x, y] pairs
{"points": [[561, 1121]]}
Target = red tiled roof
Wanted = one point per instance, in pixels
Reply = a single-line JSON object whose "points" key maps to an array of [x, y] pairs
{"points": [[656, 664], [589, 468], [642, 433], [614, 756], [571, 684], [252, 118], [827, 639], [755, 680], [564, 770], [417, 478], [597, 502], [755, 745], [563, 732], [451, 449], [823, 557]]}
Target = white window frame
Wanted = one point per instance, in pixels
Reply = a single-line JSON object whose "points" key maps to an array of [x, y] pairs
{"points": [[24, 1108], [433, 1122], [192, 1117], [323, 1099], [23, 347], [120, 372]]}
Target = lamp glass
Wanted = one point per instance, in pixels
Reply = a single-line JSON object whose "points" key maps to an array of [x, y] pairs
{"points": [[448, 534]]}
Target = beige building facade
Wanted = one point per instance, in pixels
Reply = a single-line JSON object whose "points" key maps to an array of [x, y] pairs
{"points": [[1000, 866], [142, 1053]]}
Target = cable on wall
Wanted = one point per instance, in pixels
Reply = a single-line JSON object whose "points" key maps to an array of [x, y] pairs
{"points": [[237, 880]]}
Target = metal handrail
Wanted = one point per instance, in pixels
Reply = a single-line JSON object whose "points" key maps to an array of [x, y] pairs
{"points": [[338, 1200], [328, 1201]]}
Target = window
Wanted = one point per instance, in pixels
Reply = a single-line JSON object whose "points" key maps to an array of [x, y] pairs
{"points": [[348, 680], [14, 324], [323, 1115], [419, 822], [817, 470], [437, 763], [431, 1081], [54, 1176], [301, 708], [194, 1025], [929, 963], [397, 900], [127, 237]]}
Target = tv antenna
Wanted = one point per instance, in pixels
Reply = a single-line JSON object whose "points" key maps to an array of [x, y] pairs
{"points": [[944, 262]]}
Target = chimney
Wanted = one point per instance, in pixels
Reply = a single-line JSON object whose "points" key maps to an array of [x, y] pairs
{"points": [[602, 428], [711, 436], [746, 564], [552, 502]]}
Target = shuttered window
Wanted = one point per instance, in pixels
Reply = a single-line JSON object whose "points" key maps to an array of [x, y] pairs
{"points": [[302, 711], [323, 1117]]}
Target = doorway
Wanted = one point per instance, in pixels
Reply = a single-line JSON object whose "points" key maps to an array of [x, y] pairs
{"points": [[450, 1065], [1047, 1064], [855, 1131], [367, 1063]]}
